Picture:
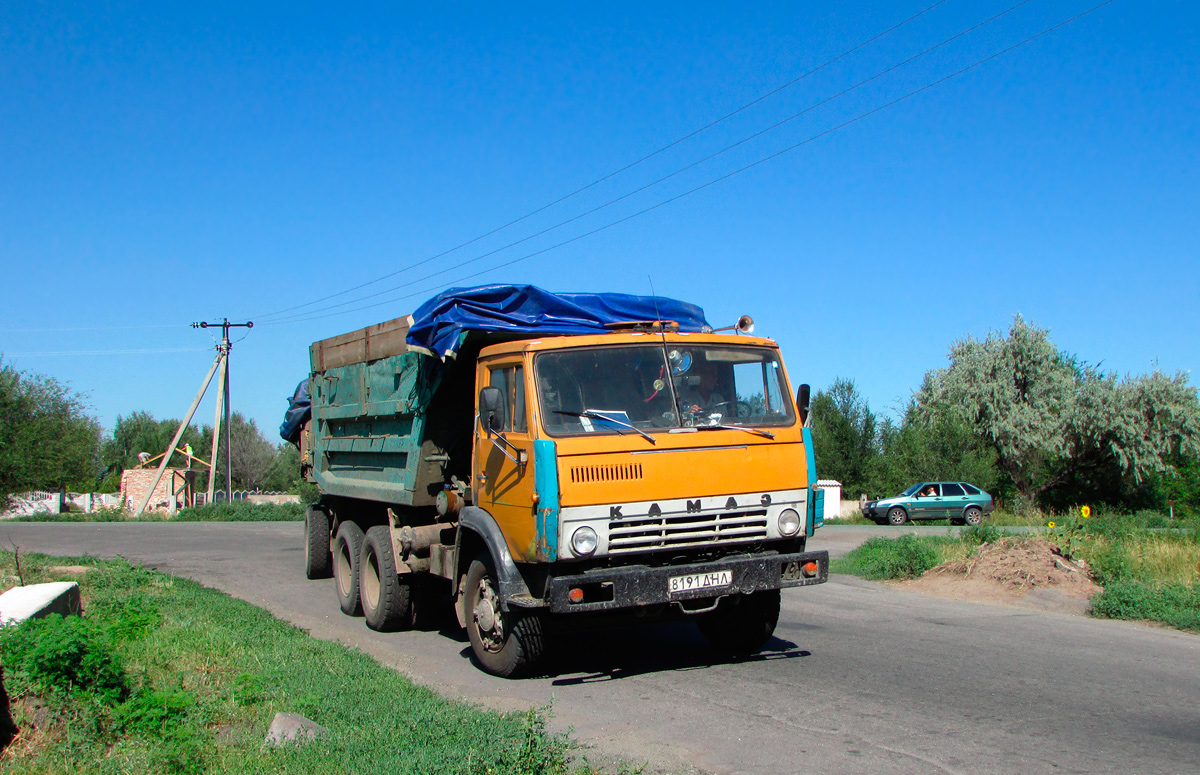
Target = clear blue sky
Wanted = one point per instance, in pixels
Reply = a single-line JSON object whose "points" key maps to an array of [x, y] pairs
{"points": [[164, 163]]}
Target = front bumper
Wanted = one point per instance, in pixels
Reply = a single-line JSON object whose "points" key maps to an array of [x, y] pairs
{"points": [[607, 589]]}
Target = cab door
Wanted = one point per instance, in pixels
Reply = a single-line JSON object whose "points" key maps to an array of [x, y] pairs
{"points": [[504, 484]]}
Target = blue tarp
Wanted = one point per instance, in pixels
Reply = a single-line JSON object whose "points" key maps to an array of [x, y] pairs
{"points": [[298, 411], [438, 325]]}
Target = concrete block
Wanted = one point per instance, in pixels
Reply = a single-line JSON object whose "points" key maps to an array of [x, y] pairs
{"points": [[34, 601], [289, 727]]}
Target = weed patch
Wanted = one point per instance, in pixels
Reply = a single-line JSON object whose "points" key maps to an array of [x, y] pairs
{"points": [[880, 559], [196, 691], [1176, 605], [238, 511]]}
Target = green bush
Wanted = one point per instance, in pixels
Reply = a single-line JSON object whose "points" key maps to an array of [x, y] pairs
{"points": [[1177, 605], [879, 559], [238, 511], [241, 511], [983, 533], [152, 711], [66, 656]]}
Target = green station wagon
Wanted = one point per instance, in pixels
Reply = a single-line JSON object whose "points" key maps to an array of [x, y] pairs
{"points": [[960, 502]]}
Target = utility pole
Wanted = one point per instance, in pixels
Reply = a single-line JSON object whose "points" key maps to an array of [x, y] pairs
{"points": [[221, 362], [224, 349]]}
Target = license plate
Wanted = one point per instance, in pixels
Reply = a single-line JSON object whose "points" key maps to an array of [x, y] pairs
{"points": [[721, 578]]}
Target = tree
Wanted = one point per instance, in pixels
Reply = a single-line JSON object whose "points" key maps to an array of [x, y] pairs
{"points": [[1053, 422], [844, 435], [252, 455], [928, 446], [284, 475], [139, 432], [47, 438]]}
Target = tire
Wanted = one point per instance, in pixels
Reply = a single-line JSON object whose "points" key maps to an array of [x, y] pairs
{"points": [[318, 558], [742, 624], [508, 644], [973, 516], [347, 546], [897, 516], [386, 597]]}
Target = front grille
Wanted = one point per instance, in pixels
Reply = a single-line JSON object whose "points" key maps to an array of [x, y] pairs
{"points": [[606, 473], [677, 531]]}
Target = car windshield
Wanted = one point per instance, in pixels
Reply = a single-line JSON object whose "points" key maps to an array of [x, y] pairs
{"points": [[623, 389], [913, 489]]}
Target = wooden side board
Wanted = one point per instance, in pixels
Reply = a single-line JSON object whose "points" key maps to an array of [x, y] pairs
{"points": [[366, 344]]}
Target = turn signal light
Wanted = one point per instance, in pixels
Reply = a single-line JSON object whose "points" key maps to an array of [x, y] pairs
{"points": [[575, 595], [810, 569]]}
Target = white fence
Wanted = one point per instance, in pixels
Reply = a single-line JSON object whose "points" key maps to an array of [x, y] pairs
{"points": [[41, 502]]}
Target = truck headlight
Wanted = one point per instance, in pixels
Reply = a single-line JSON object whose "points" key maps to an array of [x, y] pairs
{"points": [[583, 541], [789, 522]]}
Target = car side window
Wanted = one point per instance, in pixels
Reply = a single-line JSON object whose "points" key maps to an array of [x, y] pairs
{"points": [[951, 489], [971, 489], [511, 382]]}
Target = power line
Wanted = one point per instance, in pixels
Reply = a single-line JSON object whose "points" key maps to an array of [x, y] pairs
{"points": [[613, 174], [667, 177], [107, 352], [85, 328], [714, 181]]}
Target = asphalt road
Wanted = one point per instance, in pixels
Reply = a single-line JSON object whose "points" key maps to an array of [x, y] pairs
{"points": [[860, 678]]}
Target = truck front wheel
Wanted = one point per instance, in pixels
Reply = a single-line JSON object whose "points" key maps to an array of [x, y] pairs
{"points": [[506, 643], [742, 624], [347, 545]]}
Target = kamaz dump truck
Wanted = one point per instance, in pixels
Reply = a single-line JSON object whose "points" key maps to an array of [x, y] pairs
{"points": [[546, 459]]}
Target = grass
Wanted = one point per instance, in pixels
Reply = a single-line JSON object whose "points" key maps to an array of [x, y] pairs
{"points": [[238, 511], [162, 675], [908, 556], [1147, 572], [1005, 518]]}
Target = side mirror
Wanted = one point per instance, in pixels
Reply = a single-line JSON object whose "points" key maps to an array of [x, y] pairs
{"points": [[802, 403], [491, 409]]}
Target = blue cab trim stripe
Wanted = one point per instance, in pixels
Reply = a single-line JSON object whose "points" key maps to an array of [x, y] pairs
{"points": [[545, 483], [814, 494]]}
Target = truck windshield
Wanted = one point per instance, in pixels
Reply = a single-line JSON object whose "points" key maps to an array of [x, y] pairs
{"points": [[610, 389]]}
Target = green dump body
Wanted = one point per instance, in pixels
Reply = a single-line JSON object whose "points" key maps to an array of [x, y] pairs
{"points": [[370, 397]]}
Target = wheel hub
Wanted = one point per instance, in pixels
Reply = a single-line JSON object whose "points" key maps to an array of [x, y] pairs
{"points": [[489, 620], [485, 615]]}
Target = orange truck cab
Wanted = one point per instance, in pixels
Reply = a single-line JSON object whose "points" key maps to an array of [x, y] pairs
{"points": [[641, 469]]}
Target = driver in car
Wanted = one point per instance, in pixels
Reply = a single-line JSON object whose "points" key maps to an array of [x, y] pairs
{"points": [[703, 397]]}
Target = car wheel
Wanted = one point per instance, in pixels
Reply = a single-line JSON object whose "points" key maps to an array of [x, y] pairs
{"points": [[505, 643], [347, 545], [973, 516], [897, 516], [742, 624]]}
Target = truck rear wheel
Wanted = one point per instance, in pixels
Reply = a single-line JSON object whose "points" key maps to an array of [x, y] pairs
{"points": [[318, 559], [506, 643], [386, 597], [742, 624], [347, 546]]}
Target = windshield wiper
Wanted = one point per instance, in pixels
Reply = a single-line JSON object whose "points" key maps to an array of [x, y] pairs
{"points": [[588, 413], [756, 431]]}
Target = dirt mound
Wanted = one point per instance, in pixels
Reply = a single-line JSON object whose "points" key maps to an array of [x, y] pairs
{"points": [[1025, 571]]}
